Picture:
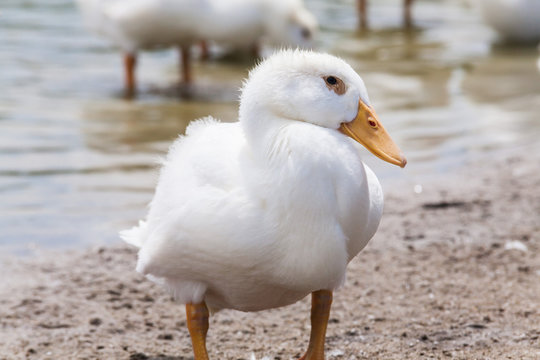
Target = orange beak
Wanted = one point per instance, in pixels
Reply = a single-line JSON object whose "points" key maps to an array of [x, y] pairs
{"points": [[368, 131]]}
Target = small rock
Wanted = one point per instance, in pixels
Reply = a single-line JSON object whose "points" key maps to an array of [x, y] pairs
{"points": [[53, 326], [95, 321], [516, 245], [477, 326], [138, 356], [444, 205], [165, 337], [147, 298], [336, 353]]}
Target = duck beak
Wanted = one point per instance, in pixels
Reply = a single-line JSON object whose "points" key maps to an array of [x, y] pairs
{"points": [[368, 131]]}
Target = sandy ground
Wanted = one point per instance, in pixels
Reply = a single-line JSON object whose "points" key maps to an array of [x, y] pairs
{"points": [[454, 272]]}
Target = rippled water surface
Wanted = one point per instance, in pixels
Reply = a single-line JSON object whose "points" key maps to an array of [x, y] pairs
{"points": [[77, 161]]}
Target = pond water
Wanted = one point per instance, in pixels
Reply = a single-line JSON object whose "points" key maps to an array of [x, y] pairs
{"points": [[78, 162]]}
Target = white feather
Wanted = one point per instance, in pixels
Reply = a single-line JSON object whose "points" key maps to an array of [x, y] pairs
{"points": [[259, 213], [514, 20], [142, 24], [135, 236]]}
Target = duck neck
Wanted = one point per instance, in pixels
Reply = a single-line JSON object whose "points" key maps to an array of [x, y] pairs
{"points": [[262, 130]]}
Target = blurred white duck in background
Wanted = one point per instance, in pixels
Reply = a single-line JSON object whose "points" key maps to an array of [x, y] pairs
{"points": [[258, 214], [514, 20], [286, 24], [133, 25], [361, 6]]}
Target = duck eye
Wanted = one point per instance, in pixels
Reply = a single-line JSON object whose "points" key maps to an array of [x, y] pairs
{"points": [[331, 80], [335, 84]]}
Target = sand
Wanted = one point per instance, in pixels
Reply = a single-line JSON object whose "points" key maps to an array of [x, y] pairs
{"points": [[454, 272]]}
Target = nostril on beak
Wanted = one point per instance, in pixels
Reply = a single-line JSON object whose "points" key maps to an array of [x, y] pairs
{"points": [[372, 123]]}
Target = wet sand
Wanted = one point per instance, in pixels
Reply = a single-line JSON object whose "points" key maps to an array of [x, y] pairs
{"points": [[454, 272]]}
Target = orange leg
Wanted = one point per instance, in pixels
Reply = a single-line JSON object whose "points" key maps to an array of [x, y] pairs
{"points": [[256, 50], [320, 312], [407, 13], [205, 52], [362, 13], [185, 64], [130, 61], [197, 322]]}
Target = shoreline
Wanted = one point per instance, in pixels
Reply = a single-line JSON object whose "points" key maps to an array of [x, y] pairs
{"points": [[453, 272]]}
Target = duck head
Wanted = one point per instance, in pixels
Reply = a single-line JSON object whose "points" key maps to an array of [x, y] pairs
{"points": [[316, 88], [289, 24]]}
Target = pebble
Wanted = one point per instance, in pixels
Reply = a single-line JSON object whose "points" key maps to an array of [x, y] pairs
{"points": [[336, 353], [516, 245]]}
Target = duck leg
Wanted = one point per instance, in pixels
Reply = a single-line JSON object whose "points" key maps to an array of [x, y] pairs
{"points": [[130, 61], [407, 13], [361, 6], [321, 301], [205, 52], [256, 50], [185, 64], [197, 322]]}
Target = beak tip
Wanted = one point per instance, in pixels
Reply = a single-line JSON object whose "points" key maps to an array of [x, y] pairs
{"points": [[403, 161]]}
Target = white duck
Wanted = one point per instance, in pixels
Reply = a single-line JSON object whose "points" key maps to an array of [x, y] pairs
{"points": [[361, 6], [257, 214], [133, 25], [514, 20]]}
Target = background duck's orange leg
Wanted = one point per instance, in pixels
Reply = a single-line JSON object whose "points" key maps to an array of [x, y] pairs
{"points": [[185, 62], [205, 51], [197, 322], [320, 312], [130, 61], [407, 13], [362, 13]]}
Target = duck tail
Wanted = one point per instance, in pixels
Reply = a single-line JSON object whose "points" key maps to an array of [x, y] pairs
{"points": [[135, 235]]}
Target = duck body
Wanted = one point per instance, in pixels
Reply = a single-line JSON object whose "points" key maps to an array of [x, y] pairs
{"points": [[259, 213], [146, 24], [138, 24], [280, 226], [134, 25], [514, 20]]}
